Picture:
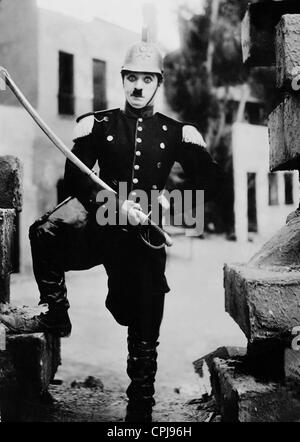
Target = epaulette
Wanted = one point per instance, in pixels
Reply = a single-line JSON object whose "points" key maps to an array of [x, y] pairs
{"points": [[191, 135], [85, 123], [84, 127]]}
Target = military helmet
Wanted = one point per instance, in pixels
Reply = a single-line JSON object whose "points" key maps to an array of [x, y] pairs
{"points": [[144, 57]]}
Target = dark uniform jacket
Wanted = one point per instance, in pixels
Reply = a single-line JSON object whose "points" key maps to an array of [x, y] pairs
{"points": [[140, 151]]}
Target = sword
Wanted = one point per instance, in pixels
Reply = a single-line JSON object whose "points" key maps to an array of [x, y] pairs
{"points": [[4, 76]]}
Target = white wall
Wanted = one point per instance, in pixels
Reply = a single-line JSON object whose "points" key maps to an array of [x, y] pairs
{"points": [[86, 40], [250, 150]]}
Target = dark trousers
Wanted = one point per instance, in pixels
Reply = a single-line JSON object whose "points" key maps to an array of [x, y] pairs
{"points": [[70, 239]]}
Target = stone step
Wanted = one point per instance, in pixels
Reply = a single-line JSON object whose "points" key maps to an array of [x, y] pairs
{"points": [[271, 359], [243, 398], [27, 367], [284, 133], [264, 303], [259, 29], [287, 46], [221, 353], [29, 361], [292, 364]]}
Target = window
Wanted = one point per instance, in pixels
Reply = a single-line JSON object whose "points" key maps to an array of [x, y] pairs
{"points": [[254, 113], [66, 84], [288, 188], [99, 85], [273, 189]]}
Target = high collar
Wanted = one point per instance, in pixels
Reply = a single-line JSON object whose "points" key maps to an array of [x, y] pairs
{"points": [[145, 112]]}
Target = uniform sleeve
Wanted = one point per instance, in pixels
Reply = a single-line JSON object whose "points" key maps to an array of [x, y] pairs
{"points": [[76, 182], [201, 171]]}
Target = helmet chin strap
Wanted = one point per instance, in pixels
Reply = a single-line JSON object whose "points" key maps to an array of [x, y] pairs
{"points": [[152, 98]]}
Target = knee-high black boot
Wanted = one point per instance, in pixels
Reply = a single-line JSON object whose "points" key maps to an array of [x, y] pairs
{"points": [[141, 368], [46, 245]]}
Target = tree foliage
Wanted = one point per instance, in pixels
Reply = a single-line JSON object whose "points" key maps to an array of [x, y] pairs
{"points": [[189, 83], [211, 57]]}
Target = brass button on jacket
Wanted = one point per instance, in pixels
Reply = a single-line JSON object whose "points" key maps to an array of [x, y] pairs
{"points": [[118, 160]]}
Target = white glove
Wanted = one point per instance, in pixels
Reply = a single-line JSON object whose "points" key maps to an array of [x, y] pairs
{"points": [[132, 211]]}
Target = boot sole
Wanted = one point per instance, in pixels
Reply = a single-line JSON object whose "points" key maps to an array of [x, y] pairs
{"points": [[20, 331]]}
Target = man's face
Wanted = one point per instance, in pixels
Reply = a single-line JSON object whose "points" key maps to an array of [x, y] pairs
{"points": [[139, 88]]}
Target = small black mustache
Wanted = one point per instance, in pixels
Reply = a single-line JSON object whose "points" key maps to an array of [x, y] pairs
{"points": [[137, 93]]}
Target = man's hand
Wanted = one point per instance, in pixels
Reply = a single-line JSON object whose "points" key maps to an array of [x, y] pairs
{"points": [[131, 211]]}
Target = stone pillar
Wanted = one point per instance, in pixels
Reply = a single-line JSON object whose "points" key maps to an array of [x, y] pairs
{"points": [[10, 204], [28, 363]]}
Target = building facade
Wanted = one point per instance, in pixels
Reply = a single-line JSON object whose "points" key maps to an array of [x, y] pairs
{"points": [[262, 200], [65, 67]]}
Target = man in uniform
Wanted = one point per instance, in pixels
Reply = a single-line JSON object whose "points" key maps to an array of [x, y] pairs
{"points": [[138, 147]]}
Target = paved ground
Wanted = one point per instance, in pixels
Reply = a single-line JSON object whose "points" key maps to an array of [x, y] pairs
{"points": [[194, 324]]}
